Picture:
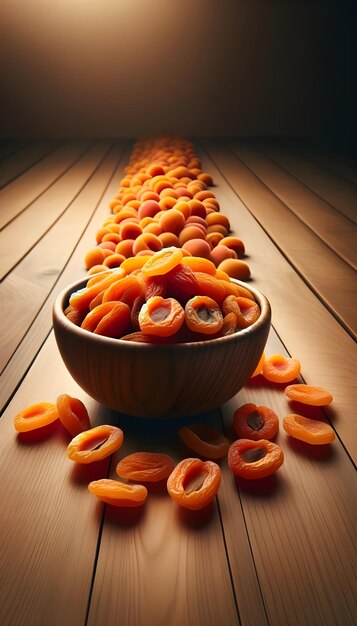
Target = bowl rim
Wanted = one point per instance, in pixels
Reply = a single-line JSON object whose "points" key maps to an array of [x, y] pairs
{"points": [[62, 299]]}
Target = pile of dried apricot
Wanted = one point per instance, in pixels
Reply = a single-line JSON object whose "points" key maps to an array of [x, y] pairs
{"points": [[163, 297], [162, 201]]}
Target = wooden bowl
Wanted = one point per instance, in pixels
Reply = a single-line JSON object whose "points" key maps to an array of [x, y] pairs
{"points": [[161, 380]]}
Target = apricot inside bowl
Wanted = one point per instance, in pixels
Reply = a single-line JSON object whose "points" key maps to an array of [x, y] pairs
{"points": [[160, 380]]}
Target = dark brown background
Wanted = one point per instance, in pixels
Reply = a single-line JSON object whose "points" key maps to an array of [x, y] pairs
{"points": [[122, 68]]}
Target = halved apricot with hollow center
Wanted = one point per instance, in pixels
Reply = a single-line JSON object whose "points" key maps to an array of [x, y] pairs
{"points": [[255, 422], [161, 316], [35, 416], [281, 369], [95, 444], [254, 459], [194, 483]]}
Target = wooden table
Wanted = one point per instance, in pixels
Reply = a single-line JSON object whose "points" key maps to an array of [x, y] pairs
{"points": [[280, 552]]}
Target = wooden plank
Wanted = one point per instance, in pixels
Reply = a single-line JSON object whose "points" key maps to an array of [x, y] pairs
{"points": [[26, 230], [330, 225], [341, 194], [312, 258], [20, 296], [9, 147], [304, 324], [18, 163], [19, 194], [324, 158], [301, 522], [73, 270], [49, 523], [162, 564]]}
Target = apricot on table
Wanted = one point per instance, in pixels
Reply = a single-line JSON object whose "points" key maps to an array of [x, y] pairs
{"points": [[309, 394], [235, 268], [280, 369], [308, 430], [254, 459]]}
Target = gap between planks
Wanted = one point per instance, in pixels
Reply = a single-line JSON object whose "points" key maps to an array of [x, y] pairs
{"points": [[305, 325]]}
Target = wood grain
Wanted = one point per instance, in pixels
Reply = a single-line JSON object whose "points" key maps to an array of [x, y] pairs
{"points": [[163, 564], [18, 163], [328, 224], [341, 194], [302, 322], [314, 260], [29, 227], [301, 522], [279, 552], [327, 160], [74, 269], [19, 194], [20, 296], [49, 523]]}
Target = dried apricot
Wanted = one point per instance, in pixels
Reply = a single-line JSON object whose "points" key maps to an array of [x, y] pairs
{"points": [[162, 262], [118, 494], [308, 394], [72, 414], [246, 311], [194, 483], [203, 315], [308, 430], [146, 466], [95, 444], [254, 459], [161, 316], [35, 416], [109, 319], [255, 422], [204, 440], [281, 369]]}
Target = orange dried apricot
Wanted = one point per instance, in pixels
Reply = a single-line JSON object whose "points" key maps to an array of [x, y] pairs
{"points": [[124, 290], [255, 422], [109, 319], [162, 262], [280, 369], [235, 268], [229, 325], [309, 394], [210, 286], [203, 315], [182, 282], [204, 440], [35, 416], [73, 414], [199, 264], [161, 316], [146, 466], [246, 311], [118, 494], [254, 459], [81, 299], [95, 444], [194, 483], [308, 430]]}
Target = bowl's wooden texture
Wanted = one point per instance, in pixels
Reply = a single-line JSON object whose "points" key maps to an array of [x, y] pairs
{"points": [[167, 380]]}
